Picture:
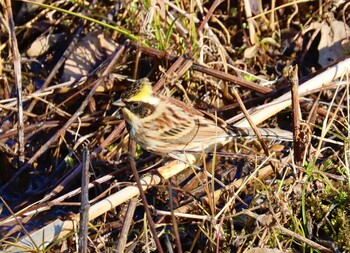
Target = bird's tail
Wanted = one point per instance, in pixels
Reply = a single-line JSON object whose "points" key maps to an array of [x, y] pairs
{"points": [[270, 133]]}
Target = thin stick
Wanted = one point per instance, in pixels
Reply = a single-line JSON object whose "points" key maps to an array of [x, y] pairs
{"points": [[126, 225], [174, 221], [215, 4], [18, 81], [85, 205], [298, 144], [19, 223], [145, 205], [251, 123]]}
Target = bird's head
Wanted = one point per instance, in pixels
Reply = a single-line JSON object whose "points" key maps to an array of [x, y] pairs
{"points": [[139, 101]]}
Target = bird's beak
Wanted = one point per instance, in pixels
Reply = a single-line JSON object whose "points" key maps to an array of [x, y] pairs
{"points": [[119, 103]]}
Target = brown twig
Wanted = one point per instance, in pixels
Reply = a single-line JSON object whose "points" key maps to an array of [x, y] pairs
{"points": [[174, 221], [215, 4], [251, 123], [126, 225], [303, 239], [180, 66], [145, 205], [231, 78], [213, 72], [85, 205], [298, 144]]}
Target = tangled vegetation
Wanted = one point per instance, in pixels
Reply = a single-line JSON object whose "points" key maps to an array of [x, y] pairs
{"points": [[71, 178]]}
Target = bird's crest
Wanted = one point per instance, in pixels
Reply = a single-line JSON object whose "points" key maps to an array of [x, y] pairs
{"points": [[140, 91]]}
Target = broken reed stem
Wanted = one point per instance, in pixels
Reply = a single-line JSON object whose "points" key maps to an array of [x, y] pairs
{"points": [[298, 145]]}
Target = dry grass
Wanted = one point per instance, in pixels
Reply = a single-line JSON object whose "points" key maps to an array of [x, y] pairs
{"points": [[251, 196]]}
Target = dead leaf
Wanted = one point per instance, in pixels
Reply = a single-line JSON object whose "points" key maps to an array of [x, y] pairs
{"points": [[43, 43], [87, 54], [332, 46], [250, 52]]}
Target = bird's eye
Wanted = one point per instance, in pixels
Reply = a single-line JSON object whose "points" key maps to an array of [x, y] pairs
{"points": [[136, 105]]}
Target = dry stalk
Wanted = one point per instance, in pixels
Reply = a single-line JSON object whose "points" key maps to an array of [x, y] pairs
{"points": [[298, 142], [18, 81], [85, 205], [126, 225]]}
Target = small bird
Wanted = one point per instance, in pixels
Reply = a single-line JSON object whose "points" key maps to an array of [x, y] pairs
{"points": [[166, 126]]}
